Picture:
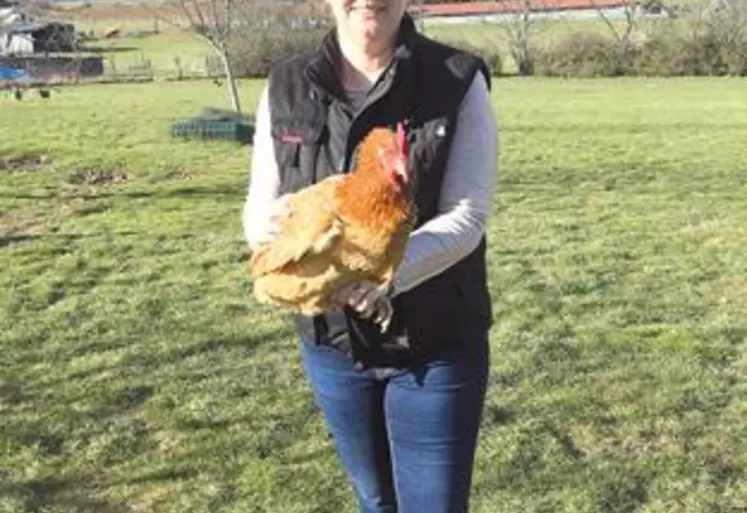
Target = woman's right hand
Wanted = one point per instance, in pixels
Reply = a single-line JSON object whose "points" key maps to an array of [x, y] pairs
{"points": [[279, 210]]}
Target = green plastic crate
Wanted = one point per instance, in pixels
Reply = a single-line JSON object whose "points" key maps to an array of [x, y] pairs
{"points": [[215, 124]]}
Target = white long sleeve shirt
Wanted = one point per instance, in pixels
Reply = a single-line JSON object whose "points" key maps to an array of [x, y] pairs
{"points": [[464, 206]]}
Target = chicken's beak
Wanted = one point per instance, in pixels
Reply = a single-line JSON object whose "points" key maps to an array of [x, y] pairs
{"points": [[402, 142], [404, 152], [401, 169]]}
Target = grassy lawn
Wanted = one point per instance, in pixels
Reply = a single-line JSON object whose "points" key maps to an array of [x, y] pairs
{"points": [[137, 373]]}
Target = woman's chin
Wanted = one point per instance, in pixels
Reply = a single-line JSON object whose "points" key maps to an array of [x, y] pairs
{"points": [[373, 32]]}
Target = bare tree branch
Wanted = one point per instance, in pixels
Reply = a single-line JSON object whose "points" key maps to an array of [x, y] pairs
{"points": [[214, 22], [624, 36], [520, 31]]}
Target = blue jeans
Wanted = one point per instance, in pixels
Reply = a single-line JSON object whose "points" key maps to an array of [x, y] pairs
{"points": [[406, 438]]}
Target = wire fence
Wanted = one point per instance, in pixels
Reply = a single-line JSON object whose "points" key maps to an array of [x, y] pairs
{"points": [[66, 70], [129, 69]]}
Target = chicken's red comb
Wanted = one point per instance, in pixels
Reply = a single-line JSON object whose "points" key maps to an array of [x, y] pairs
{"points": [[402, 139]]}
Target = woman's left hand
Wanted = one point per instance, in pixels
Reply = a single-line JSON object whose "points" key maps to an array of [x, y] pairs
{"points": [[367, 299]]}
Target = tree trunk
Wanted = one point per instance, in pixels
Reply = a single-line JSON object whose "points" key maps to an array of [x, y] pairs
{"points": [[233, 90], [521, 51]]}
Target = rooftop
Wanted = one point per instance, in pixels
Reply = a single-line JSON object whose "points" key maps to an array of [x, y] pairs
{"points": [[26, 27], [507, 6]]}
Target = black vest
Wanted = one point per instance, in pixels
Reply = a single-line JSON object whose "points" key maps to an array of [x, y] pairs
{"points": [[315, 134]]}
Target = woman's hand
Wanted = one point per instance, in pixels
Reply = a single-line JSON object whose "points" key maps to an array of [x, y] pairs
{"points": [[367, 299], [272, 227]]}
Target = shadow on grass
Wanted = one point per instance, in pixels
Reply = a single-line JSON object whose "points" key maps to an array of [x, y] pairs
{"points": [[310, 457], [248, 343], [60, 494], [9, 239], [565, 440], [499, 416], [84, 195], [145, 367], [193, 191], [109, 49], [11, 393], [624, 497], [163, 475], [173, 192]]}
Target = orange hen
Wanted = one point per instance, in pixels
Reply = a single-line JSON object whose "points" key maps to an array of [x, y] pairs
{"points": [[343, 228]]}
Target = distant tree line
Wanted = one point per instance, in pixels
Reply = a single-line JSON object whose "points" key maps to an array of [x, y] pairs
{"points": [[250, 36]]}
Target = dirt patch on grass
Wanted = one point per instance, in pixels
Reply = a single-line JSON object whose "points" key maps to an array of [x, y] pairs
{"points": [[97, 177], [16, 221], [28, 162]]}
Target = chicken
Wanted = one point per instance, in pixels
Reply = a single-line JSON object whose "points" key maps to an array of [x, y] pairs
{"points": [[344, 228]]}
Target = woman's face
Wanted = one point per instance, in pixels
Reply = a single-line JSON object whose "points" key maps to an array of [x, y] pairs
{"points": [[368, 21]]}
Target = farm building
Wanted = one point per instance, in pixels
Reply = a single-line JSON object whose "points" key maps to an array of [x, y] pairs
{"points": [[11, 13], [36, 37], [493, 11]]}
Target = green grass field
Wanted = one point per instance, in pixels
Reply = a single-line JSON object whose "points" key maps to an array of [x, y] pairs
{"points": [[137, 373]]}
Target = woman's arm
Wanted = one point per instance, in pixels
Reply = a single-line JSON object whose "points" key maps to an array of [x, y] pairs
{"points": [[264, 182], [466, 195]]}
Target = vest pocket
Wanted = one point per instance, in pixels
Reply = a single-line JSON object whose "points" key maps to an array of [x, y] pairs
{"points": [[291, 137], [296, 145]]}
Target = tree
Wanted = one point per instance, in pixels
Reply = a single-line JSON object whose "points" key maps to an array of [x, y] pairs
{"points": [[727, 19], [218, 23], [520, 32], [623, 34]]}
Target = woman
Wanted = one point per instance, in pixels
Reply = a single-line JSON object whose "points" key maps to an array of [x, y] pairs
{"points": [[404, 408]]}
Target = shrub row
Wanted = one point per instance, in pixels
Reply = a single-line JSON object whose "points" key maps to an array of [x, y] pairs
{"points": [[254, 54], [666, 51]]}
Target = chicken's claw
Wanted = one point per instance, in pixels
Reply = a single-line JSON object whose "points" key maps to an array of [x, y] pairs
{"points": [[384, 313]]}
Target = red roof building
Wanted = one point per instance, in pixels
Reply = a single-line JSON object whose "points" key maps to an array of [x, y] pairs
{"points": [[512, 6]]}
